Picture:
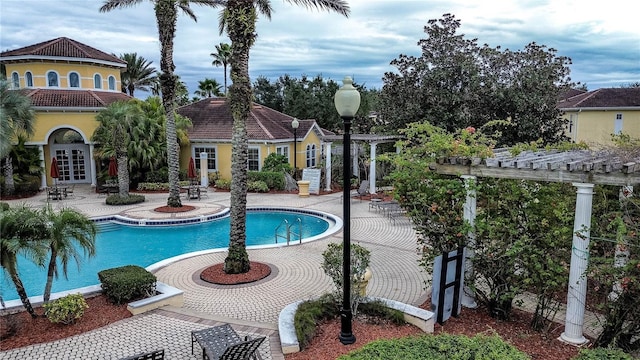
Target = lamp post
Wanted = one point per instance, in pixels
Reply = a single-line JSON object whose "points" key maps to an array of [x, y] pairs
{"points": [[294, 124], [347, 101]]}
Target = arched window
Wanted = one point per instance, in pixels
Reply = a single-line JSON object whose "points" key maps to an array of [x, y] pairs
{"points": [[28, 79], [52, 79], [112, 82], [74, 80], [15, 80], [97, 81], [311, 155]]}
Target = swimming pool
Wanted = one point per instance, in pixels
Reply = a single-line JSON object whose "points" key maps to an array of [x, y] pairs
{"points": [[122, 241]]}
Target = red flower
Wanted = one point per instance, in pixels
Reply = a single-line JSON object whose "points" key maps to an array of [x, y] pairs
{"points": [[471, 129]]}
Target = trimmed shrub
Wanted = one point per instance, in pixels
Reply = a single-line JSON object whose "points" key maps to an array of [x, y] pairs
{"points": [[66, 310], [127, 283], [213, 177], [602, 354], [309, 313], [378, 309], [273, 179], [257, 186], [116, 199], [158, 176], [158, 186], [4, 206], [438, 347], [223, 184]]}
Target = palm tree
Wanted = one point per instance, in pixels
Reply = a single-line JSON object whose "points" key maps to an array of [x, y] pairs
{"points": [[22, 230], [239, 19], [221, 58], [70, 233], [138, 75], [166, 12], [17, 118], [115, 122], [208, 88]]}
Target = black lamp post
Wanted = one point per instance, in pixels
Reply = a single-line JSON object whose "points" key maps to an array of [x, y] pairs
{"points": [[347, 101], [294, 124]]}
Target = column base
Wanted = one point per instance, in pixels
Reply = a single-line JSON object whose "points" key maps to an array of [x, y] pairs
{"points": [[573, 341]]}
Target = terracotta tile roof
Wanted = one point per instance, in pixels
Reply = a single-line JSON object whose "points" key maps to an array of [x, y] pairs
{"points": [[212, 120], [73, 98], [61, 47], [603, 98]]}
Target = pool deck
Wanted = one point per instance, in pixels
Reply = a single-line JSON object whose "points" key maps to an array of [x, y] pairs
{"points": [[252, 308]]}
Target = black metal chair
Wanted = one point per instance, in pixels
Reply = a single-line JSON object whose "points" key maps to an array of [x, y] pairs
{"points": [[223, 343]]}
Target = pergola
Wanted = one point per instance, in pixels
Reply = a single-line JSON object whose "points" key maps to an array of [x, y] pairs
{"points": [[582, 168], [372, 139]]}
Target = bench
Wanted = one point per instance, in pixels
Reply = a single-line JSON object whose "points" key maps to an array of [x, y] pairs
{"points": [[153, 355]]}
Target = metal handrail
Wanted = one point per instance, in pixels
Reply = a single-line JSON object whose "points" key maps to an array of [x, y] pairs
{"points": [[290, 230], [286, 223]]}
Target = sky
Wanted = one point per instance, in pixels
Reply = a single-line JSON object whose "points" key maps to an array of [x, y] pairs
{"points": [[601, 37]]}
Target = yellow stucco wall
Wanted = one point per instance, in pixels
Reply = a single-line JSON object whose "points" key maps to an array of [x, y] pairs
{"points": [[85, 71], [83, 122], [595, 127]]}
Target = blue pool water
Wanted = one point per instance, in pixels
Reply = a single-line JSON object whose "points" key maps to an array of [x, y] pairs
{"points": [[118, 245]]}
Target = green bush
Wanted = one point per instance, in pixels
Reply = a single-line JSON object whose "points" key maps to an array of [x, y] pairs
{"points": [[257, 186], [213, 177], [127, 283], [274, 180], [158, 176], [438, 347], [602, 354], [116, 199], [66, 310], [378, 309], [158, 186], [276, 163], [4, 206], [223, 184], [332, 266], [309, 313]]}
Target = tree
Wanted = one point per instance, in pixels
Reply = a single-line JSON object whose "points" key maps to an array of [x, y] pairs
{"points": [[113, 132], [208, 88], [17, 118], [22, 230], [166, 12], [455, 83], [221, 58], [138, 75], [239, 20], [268, 94], [69, 234]]}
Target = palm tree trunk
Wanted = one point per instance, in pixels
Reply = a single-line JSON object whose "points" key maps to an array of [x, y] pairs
{"points": [[225, 79], [9, 184], [12, 269], [51, 271], [123, 174], [241, 29], [167, 16]]}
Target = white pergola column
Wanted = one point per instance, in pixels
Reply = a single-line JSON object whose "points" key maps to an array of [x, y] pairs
{"points": [[577, 292], [43, 177], [327, 165], [354, 157], [94, 176], [469, 215], [372, 168]]}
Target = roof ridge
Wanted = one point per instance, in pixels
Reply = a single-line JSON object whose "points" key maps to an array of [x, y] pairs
{"points": [[76, 45], [95, 96], [44, 44], [589, 94], [261, 125]]}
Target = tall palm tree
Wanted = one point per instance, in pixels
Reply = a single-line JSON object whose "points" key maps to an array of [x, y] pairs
{"points": [[208, 88], [22, 230], [239, 19], [166, 12], [221, 58], [115, 122], [138, 75], [69, 234], [17, 118]]}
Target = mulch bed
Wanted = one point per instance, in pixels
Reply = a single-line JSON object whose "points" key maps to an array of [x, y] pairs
{"points": [[170, 209], [215, 274]]}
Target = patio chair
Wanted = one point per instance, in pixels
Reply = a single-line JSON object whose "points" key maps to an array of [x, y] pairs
{"points": [[361, 191], [69, 191], [223, 343], [153, 355]]}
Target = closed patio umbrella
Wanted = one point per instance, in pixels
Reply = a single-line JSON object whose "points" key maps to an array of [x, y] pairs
{"points": [[113, 167], [191, 172], [55, 171]]}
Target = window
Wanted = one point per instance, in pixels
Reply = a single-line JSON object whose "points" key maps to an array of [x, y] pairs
{"points": [[28, 79], [311, 155], [617, 126], [283, 150], [74, 80], [211, 157], [52, 79], [97, 81], [112, 83], [15, 80], [254, 159]]}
